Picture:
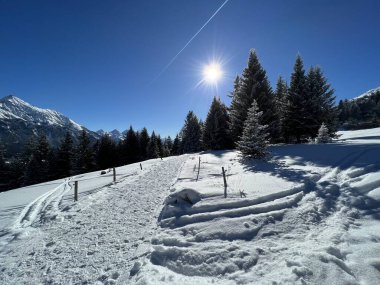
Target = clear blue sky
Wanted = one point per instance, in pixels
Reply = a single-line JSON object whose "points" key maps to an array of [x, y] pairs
{"points": [[94, 60]]}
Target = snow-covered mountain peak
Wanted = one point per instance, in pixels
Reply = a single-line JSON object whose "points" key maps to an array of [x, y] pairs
{"points": [[368, 93], [12, 107]]}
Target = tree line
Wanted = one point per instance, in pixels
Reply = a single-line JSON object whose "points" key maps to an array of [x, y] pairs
{"points": [[40, 162], [258, 115], [360, 113], [292, 113]]}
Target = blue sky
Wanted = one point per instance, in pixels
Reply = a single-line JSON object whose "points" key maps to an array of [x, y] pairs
{"points": [[95, 61]]}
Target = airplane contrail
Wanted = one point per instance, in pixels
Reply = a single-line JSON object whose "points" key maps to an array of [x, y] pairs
{"points": [[192, 38]]}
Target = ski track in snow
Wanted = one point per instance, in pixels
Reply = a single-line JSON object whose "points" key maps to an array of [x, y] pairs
{"points": [[55, 245]]}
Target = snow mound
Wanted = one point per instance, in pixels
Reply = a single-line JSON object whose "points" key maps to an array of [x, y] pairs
{"points": [[183, 196]]}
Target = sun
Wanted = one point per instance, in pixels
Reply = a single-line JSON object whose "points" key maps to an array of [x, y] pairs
{"points": [[212, 73]]}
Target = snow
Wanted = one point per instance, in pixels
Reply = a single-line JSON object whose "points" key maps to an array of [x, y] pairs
{"points": [[13, 107], [309, 215], [368, 93]]}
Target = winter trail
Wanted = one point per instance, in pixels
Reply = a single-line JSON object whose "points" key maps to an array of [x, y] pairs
{"points": [[96, 241]]}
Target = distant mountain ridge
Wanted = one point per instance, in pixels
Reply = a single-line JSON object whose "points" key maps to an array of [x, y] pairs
{"points": [[361, 112], [19, 121], [367, 94]]}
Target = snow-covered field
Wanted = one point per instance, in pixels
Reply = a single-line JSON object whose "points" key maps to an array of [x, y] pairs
{"points": [[310, 215]]}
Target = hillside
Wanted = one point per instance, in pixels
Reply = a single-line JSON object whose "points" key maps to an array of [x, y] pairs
{"points": [[310, 215], [20, 121], [362, 112]]}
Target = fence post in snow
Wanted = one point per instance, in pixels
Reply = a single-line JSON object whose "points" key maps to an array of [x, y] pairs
{"points": [[199, 167], [225, 183], [76, 191], [114, 174], [140, 166]]}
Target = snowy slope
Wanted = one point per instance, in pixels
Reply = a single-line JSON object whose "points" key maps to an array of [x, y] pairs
{"points": [[368, 93], [19, 121], [12, 107], [310, 215]]}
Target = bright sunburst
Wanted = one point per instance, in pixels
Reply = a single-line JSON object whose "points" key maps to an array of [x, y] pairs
{"points": [[212, 73]]}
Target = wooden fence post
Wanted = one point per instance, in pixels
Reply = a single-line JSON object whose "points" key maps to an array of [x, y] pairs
{"points": [[199, 167], [114, 175], [140, 166], [225, 183], [76, 191]]}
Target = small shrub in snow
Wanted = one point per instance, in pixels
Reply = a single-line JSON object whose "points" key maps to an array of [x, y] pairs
{"points": [[323, 135]]}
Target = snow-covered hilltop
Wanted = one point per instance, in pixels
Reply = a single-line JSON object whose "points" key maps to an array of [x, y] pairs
{"points": [[367, 94], [20, 120], [309, 215]]}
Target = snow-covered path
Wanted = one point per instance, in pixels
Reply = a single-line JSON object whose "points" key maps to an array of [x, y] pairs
{"points": [[96, 241]]}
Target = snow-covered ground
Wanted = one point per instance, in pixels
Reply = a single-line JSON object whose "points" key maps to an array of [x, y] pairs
{"points": [[310, 215]]}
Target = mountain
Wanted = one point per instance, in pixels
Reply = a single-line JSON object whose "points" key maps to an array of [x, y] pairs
{"points": [[369, 93], [114, 135], [361, 112], [19, 121]]}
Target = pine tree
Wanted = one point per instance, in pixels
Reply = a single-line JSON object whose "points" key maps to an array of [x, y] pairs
{"points": [[297, 108], [85, 157], [167, 146], [65, 155], [106, 152], [130, 147], [254, 141], [323, 135], [175, 150], [143, 143], [252, 85], [281, 97], [216, 134], [37, 168], [152, 149], [160, 146], [191, 134]]}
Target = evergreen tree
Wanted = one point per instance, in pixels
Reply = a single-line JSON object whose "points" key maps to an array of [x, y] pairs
{"points": [[85, 157], [37, 168], [253, 85], [143, 143], [152, 149], [175, 150], [191, 134], [167, 146], [323, 135], [130, 146], [297, 108], [160, 146], [216, 132], [281, 97], [65, 161], [254, 141], [106, 152]]}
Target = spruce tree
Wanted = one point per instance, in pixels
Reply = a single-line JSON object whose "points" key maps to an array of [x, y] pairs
{"points": [[323, 135], [216, 127], [297, 108], [152, 149], [175, 150], [106, 152], [85, 157], [143, 143], [254, 141], [65, 155], [191, 134], [252, 85], [37, 167], [130, 146], [281, 97]]}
